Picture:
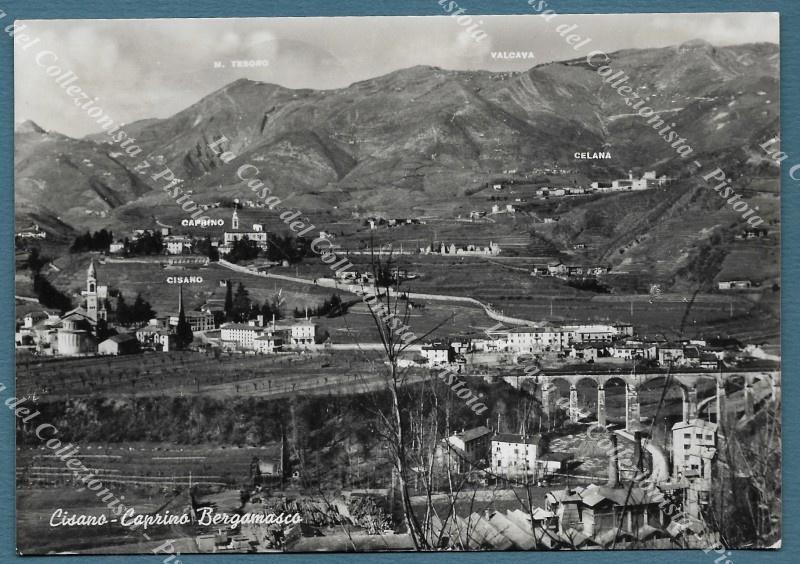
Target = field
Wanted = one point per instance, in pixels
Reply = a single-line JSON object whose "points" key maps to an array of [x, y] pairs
{"points": [[503, 283], [181, 374]]}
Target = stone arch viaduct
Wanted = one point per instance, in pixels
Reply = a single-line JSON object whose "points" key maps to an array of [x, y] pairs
{"points": [[687, 381]]}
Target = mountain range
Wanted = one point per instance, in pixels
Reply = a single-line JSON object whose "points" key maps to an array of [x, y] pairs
{"points": [[409, 139]]}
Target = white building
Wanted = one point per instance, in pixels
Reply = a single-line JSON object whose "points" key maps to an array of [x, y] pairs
{"points": [[437, 353], [670, 353], [257, 234], [538, 339], [268, 344], [532, 339], [35, 317], [632, 351], [734, 284], [513, 455], [156, 337], [302, 332], [177, 244], [694, 445], [240, 334]]}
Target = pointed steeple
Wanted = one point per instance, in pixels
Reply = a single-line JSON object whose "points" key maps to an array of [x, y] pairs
{"points": [[91, 273]]}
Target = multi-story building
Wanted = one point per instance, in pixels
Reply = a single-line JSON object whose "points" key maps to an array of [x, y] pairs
{"points": [[670, 354], [473, 442], [177, 244], [513, 455], [156, 337], [437, 353], [538, 339], [694, 445], [633, 351], [248, 336], [197, 320], [240, 334], [268, 343], [466, 451], [532, 339], [301, 333]]}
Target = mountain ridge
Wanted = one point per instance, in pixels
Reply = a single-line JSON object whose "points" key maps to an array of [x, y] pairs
{"points": [[425, 130]]}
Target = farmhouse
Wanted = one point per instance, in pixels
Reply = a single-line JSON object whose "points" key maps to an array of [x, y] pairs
{"points": [[124, 343]]}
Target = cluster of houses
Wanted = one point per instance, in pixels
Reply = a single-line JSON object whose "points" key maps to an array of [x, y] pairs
{"points": [[597, 343], [561, 270], [524, 340], [503, 454], [75, 333], [594, 515], [734, 284], [258, 337], [375, 222], [467, 250], [32, 232], [180, 244], [700, 354], [648, 181]]}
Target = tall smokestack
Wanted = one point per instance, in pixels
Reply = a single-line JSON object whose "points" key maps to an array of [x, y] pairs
{"points": [[638, 455], [613, 463]]}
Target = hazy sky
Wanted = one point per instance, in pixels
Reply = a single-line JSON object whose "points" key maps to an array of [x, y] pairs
{"points": [[155, 68]]}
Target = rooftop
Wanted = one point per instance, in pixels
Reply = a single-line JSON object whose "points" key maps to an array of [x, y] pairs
{"points": [[702, 423], [472, 434], [122, 338], [241, 326], [512, 438]]}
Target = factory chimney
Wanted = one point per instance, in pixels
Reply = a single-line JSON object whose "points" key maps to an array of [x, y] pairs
{"points": [[638, 455], [613, 463]]}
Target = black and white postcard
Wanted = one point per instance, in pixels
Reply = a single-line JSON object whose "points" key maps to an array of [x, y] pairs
{"points": [[369, 284]]}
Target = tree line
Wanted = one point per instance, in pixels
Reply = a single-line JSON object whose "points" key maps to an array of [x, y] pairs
{"points": [[97, 241], [331, 307], [239, 307], [279, 248]]}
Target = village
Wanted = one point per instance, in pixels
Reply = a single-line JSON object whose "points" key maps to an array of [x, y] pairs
{"points": [[580, 505]]}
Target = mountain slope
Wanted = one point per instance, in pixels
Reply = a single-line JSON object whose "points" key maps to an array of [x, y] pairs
{"points": [[422, 135]]}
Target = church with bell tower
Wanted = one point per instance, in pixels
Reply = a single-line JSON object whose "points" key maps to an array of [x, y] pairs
{"points": [[95, 296]]}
